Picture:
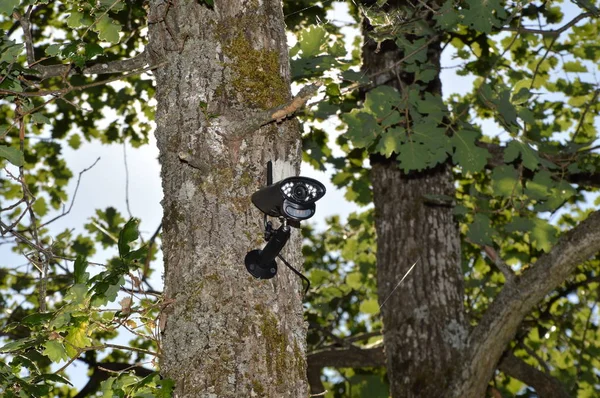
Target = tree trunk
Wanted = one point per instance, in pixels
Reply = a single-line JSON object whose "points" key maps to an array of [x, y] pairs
{"points": [[425, 331], [225, 333]]}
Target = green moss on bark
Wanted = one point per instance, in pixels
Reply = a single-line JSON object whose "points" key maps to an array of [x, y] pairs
{"points": [[275, 344], [256, 73]]}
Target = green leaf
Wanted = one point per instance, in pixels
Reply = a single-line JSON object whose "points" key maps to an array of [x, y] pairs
{"points": [[390, 142], [166, 390], [574, 66], [362, 128], [447, 16], [61, 319], [480, 230], [38, 117], [521, 96], [77, 293], [370, 306], [466, 154], [311, 40], [53, 50], [318, 276], [16, 345], [529, 156], [9, 54], [55, 350], [128, 234], [37, 318], [77, 338], [354, 280], [505, 181], [483, 15], [12, 154], [354, 76], [540, 187], [108, 29], [558, 195], [40, 207], [412, 156], [381, 100], [74, 141], [543, 235], [79, 274], [93, 49], [7, 6], [75, 19], [519, 224]]}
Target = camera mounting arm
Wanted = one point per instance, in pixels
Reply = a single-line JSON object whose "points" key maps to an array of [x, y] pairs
{"points": [[261, 263]]}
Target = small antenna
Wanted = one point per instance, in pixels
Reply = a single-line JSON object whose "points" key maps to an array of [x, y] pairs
{"points": [[269, 173]]}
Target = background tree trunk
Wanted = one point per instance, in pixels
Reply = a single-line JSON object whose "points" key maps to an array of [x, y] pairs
{"points": [[226, 334], [425, 331]]}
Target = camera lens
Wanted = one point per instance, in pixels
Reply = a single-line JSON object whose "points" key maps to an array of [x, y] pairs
{"points": [[300, 192]]}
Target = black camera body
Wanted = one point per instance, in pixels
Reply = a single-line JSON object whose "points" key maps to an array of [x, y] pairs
{"points": [[292, 198]]}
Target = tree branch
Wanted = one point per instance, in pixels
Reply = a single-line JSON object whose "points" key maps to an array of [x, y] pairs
{"points": [[352, 357], [102, 68], [544, 385], [552, 32], [501, 321]]}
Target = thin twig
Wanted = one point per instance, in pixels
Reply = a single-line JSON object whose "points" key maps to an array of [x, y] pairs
{"points": [[582, 348], [126, 179], [399, 283], [553, 32], [64, 213], [585, 111], [537, 67]]}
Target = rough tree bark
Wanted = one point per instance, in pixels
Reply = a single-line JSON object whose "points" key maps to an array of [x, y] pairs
{"points": [[430, 349], [425, 331], [225, 334]]}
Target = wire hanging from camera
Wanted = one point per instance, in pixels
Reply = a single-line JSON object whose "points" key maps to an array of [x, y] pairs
{"points": [[295, 271]]}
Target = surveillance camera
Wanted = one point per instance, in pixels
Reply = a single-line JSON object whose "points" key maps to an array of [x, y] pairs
{"points": [[292, 198]]}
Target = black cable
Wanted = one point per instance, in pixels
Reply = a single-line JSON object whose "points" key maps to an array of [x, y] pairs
{"points": [[297, 273]]}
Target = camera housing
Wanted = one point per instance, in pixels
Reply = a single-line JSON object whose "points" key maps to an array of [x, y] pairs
{"points": [[292, 198]]}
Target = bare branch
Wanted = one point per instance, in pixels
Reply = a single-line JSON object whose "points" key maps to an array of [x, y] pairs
{"points": [[352, 357], [24, 22], [545, 385], [501, 321], [553, 32], [103, 68]]}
